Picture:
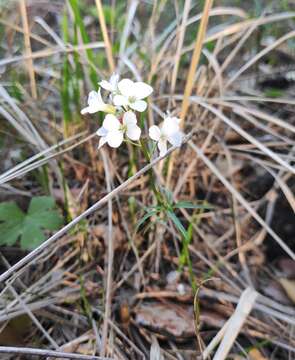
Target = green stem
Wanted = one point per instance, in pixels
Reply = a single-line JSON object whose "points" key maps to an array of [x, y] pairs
{"points": [[151, 174]]}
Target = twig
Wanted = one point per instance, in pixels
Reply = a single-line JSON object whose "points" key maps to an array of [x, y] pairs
{"points": [[28, 49], [41, 352]]}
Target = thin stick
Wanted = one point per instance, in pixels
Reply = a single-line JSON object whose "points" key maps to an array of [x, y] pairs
{"points": [[191, 74], [28, 49], [33, 254], [45, 353], [105, 35]]}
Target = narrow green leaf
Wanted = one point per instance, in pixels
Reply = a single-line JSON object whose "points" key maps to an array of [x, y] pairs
{"points": [[177, 223], [189, 205], [144, 219]]}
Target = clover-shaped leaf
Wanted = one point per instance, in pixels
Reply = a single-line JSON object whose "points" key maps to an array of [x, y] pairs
{"points": [[14, 223]]}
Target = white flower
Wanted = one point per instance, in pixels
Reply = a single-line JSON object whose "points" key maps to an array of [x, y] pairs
{"points": [[113, 131], [95, 104], [168, 131], [131, 94], [112, 84]]}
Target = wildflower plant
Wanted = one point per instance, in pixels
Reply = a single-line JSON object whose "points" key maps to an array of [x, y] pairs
{"points": [[126, 98]]}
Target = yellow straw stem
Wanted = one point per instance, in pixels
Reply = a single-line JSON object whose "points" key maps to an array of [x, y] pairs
{"points": [[105, 35], [191, 74], [28, 49]]}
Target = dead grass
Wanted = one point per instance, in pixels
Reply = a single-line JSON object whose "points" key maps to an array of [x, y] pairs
{"points": [[86, 289]]}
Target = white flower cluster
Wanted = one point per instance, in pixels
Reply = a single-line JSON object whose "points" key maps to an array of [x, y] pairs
{"points": [[126, 97]]}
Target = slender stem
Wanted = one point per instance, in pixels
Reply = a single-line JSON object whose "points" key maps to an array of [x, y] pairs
{"points": [[151, 173]]}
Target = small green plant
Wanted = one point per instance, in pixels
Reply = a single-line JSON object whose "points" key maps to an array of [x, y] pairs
{"points": [[29, 227], [167, 209], [126, 99]]}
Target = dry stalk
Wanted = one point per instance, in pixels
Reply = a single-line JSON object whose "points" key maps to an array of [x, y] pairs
{"points": [[105, 35], [110, 260], [191, 74], [28, 49], [236, 322]]}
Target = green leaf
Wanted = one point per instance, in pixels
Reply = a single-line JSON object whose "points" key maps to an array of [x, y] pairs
{"points": [[40, 204], [177, 223], [9, 211], [15, 224], [189, 205], [144, 219], [32, 235]]}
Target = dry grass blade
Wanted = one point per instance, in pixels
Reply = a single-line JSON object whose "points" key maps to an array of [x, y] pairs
{"points": [[241, 200], [259, 56], [191, 74], [232, 327], [105, 35], [195, 59], [36, 252], [28, 49], [110, 260], [52, 51], [46, 353], [182, 29], [249, 137], [236, 322]]}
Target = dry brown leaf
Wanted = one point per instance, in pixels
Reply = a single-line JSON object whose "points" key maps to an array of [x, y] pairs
{"points": [[168, 319], [289, 287]]}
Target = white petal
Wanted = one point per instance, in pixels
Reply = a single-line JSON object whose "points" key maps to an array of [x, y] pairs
{"points": [[142, 90], [133, 132], [93, 98], [155, 133], [95, 103], [162, 145], [170, 125], [85, 110], [129, 118], [102, 141], [175, 139], [114, 138], [101, 131], [114, 79], [106, 85], [120, 100], [138, 105], [91, 109], [111, 123], [126, 87]]}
